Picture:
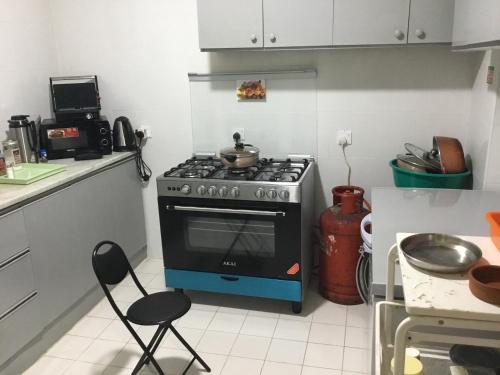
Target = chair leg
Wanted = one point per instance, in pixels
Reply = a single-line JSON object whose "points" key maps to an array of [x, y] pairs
{"points": [[147, 353], [157, 343], [191, 350]]}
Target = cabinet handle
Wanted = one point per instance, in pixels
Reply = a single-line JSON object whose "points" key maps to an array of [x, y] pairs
{"points": [[229, 278], [253, 38], [272, 38], [399, 34], [420, 33]]}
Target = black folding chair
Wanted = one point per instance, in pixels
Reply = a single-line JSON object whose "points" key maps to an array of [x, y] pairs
{"points": [[161, 309]]}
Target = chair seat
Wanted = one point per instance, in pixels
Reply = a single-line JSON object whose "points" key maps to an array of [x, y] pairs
{"points": [[158, 308]]}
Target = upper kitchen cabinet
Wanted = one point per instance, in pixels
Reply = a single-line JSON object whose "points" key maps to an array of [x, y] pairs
{"points": [[476, 24], [230, 24], [298, 23], [369, 22], [431, 21]]}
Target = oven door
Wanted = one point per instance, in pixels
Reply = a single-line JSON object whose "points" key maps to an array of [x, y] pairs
{"points": [[232, 237]]}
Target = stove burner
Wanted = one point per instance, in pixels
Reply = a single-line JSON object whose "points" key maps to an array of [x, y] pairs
{"points": [[265, 170]]}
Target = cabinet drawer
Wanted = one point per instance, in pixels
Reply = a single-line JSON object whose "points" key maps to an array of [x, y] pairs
{"points": [[16, 279], [13, 237], [19, 326]]}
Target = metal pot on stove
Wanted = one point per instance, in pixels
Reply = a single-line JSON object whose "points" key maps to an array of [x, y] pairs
{"points": [[241, 155]]}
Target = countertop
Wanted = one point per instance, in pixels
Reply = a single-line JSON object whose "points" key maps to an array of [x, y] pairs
{"points": [[447, 295], [12, 196], [424, 210]]}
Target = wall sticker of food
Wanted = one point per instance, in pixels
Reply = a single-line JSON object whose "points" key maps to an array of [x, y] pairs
{"points": [[251, 90]]}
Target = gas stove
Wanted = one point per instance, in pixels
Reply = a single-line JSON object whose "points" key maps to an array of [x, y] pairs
{"points": [[207, 177]]}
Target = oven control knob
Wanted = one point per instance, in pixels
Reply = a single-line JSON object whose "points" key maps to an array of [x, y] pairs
{"points": [[285, 195], [272, 194], [223, 191], [212, 190], [202, 190], [260, 193], [235, 192], [185, 189]]}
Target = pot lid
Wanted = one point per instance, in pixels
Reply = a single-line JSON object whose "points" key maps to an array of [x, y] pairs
{"points": [[240, 151]]}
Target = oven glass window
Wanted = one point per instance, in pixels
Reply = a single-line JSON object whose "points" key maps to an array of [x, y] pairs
{"points": [[230, 237]]}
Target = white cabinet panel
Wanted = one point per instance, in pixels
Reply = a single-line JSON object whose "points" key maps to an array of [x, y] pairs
{"points": [[298, 23], [476, 22], [431, 21], [230, 23], [365, 22]]}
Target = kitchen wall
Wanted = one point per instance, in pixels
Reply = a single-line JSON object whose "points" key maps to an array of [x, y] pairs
{"points": [[27, 59], [142, 52]]}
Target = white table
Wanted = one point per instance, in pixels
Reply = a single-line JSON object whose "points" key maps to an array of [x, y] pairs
{"points": [[440, 301]]}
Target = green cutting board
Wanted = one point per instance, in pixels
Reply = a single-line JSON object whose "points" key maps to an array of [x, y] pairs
{"points": [[29, 173]]}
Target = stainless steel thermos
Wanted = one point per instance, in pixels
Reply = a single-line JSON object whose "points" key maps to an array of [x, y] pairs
{"points": [[24, 132]]}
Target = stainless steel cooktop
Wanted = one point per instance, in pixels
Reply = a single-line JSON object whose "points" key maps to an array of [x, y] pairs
{"points": [[207, 177]]}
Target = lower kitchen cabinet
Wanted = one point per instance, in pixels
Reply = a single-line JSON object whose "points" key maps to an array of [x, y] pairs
{"points": [[64, 228]]}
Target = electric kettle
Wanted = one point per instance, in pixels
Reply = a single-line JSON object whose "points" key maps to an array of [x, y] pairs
{"points": [[24, 132], [123, 135]]}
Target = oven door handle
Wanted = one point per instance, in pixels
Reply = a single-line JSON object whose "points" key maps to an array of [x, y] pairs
{"points": [[225, 211]]}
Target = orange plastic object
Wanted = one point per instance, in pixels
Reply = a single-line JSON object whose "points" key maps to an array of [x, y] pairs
{"points": [[293, 269], [494, 220]]}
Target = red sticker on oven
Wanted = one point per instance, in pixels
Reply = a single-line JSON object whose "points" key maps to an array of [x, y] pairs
{"points": [[293, 269], [60, 133]]}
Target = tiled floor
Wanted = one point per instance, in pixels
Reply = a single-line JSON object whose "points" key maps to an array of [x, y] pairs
{"points": [[235, 335]]}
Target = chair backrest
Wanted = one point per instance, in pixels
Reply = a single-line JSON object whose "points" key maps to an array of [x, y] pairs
{"points": [[112, 265]]}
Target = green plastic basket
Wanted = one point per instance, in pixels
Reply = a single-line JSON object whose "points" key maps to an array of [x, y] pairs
{"points": [[410, 179]]}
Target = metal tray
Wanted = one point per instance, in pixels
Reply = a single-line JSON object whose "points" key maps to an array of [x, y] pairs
{"points": [[440, 252]]}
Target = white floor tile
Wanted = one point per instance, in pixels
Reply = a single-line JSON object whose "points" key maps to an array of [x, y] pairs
{"points": [[69, 347], [49, 366], [356, 360], [198, 319], [353, 373], [84, 368], [104, 310], [90, 327], [274, 368], [292, 330], [157, 282], [286, 351], [101, 352], [111, 370], [259, 326], [319, 371], [251, 347], [146, 333], [128, 356], [116, 331], [216, 342], [358, 316], [144, 279], [191, 335], [214, 361], [150, 265], [172, 361], [357, 337], [242, 366], [327, 334], [330, 313], [124, 293], [325, 356], [225, 322]]}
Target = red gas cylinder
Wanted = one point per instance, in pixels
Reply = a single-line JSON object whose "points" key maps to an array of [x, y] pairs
{"points": [[341, 240]]}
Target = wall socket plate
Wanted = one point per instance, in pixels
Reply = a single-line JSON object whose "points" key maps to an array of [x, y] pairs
{"points": [[344, 137], [241, 131], [147, 131]]}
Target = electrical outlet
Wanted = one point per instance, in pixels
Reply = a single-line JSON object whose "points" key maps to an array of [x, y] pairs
{"points": [[147, 131], [344, 137], [241, 131]]}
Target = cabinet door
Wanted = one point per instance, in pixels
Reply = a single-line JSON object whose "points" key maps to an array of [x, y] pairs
{"points": [[128, 208], [94, 217], [56, 252], [230, 24], [298, 23], [476, 22], [367, 22], [431, 21]]}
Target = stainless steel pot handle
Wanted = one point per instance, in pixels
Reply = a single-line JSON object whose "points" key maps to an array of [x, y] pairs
{"points": [[225, 211]]}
